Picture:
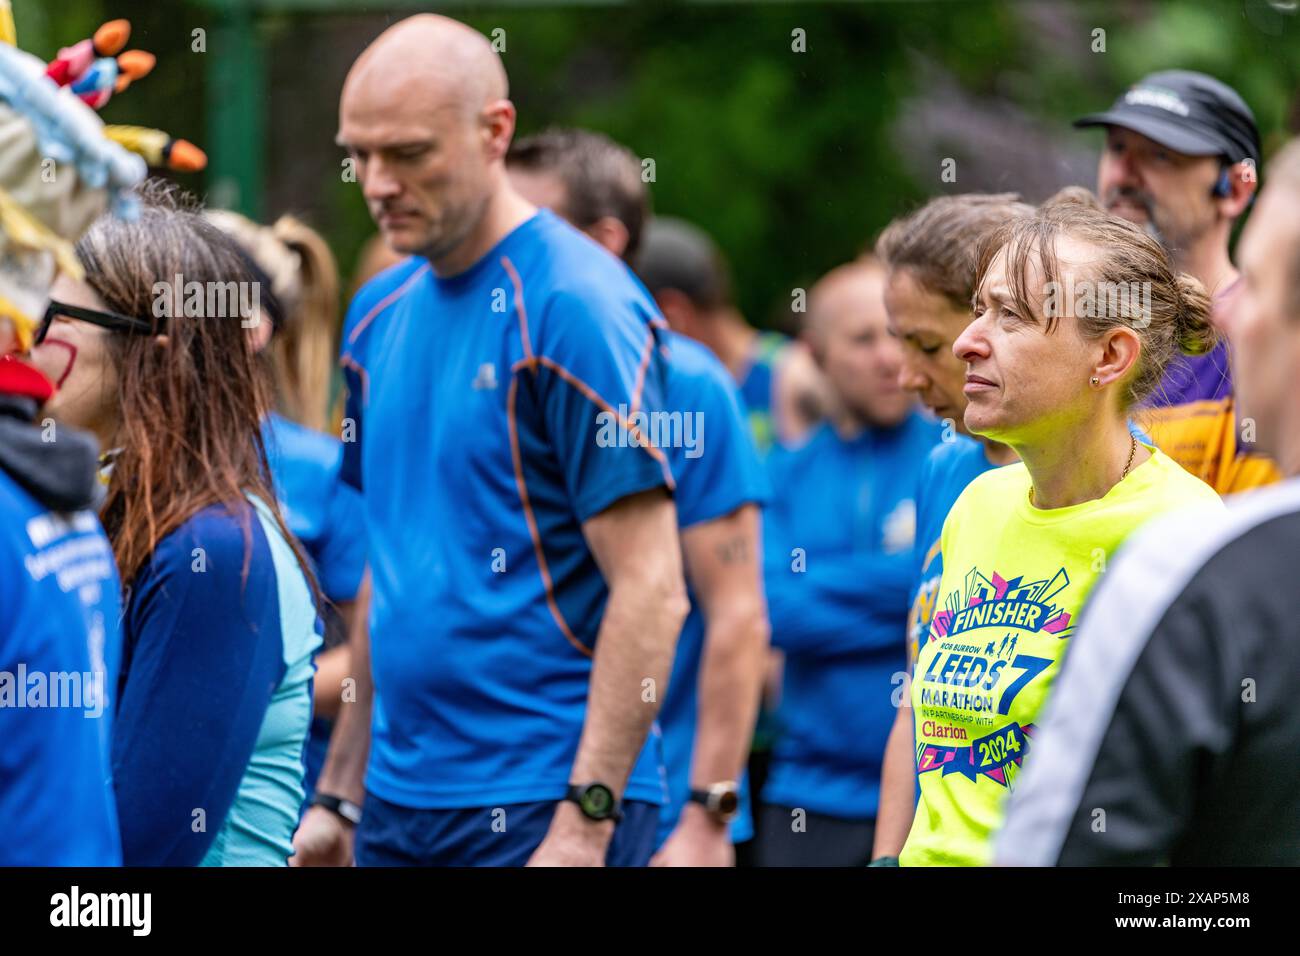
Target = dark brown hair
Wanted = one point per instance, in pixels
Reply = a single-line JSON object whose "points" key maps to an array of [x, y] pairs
{"points": [[600, 177], [1175, 317], [936, 244], [191, 412]]}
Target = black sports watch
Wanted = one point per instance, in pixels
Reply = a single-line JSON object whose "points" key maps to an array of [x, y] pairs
{"points": [[595, 800], [348, 810], [722, 800]]}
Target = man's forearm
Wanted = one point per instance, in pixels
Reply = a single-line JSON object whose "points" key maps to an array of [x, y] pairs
{"points": [[897, 788], [343, 774], [629, 675], [731, 680]]}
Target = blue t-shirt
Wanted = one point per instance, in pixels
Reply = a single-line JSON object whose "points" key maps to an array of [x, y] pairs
{"points": [[60, 650], [839, 546], [489, 412], [215, 695], [323, 512], [717, 471]]}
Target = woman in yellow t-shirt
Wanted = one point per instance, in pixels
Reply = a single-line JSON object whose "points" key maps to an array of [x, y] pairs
{"points": [[1077, 314]]}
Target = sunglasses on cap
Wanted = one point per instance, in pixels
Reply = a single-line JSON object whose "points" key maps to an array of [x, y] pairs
{"points": [[105, 320]]}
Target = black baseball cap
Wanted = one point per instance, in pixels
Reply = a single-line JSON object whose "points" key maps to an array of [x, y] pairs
{"points": [[1188, 112]]}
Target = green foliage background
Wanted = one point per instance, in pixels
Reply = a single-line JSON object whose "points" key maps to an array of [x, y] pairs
{"points": [[792, 160]]}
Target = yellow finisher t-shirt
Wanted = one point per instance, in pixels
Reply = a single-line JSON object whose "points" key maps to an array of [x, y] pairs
{"points": [[1015, 578]]}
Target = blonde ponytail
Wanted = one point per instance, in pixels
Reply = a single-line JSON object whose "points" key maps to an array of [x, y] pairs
{"points": [[303, 353], [305, 281]]}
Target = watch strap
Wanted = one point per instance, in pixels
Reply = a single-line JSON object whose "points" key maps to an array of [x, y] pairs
{"points": [[346, 809], [712, 799]]}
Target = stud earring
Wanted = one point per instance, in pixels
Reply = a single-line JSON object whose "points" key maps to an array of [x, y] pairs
{"points": [[1095, 381]]}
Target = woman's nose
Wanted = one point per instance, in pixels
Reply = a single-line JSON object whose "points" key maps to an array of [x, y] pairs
{"points": [[971, 343]]}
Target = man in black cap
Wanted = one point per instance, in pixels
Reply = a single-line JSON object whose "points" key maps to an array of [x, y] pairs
{"points": [[1180, 161]]}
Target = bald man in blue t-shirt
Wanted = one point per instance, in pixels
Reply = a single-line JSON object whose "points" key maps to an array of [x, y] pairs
{"points": [[526, 576]]}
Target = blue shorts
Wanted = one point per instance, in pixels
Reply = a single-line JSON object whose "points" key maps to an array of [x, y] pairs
{"points": [[391, 835]]}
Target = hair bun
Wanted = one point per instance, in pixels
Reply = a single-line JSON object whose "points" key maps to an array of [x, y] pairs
{"points": [[1072, 196], [1193, 330]]}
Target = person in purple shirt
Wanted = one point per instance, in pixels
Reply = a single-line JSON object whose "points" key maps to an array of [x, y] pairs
{"points": [[1180, 161]]}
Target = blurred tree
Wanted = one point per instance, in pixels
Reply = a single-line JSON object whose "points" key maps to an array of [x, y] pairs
{"points": [[793, 149]]}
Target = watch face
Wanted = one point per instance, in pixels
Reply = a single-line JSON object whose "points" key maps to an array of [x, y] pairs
{"points": [[597, 801], [728, 802]]}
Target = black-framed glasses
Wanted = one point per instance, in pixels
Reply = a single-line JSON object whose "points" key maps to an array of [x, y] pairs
{"points": [[105, 320]]}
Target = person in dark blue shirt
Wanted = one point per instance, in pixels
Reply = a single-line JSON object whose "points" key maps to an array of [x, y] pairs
{"points": [[708, 711], [505, 385], [838, 566], [220, 623]]}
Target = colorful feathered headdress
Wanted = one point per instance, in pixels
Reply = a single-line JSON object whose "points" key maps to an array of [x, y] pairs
{"points": [[60, 166]]}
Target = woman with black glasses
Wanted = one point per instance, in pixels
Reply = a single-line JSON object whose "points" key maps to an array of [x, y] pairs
{"points": [[72, 339], [220, 610]]}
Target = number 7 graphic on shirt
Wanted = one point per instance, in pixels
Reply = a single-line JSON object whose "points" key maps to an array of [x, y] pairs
{"points": [[1032, 667]]}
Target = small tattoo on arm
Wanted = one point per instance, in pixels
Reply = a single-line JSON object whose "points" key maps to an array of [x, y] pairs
{"points": [[734, 551]]}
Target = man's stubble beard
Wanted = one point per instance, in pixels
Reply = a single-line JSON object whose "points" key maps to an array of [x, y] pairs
{"points": [[460, 229], [1149, 226], [1178, 243]]}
